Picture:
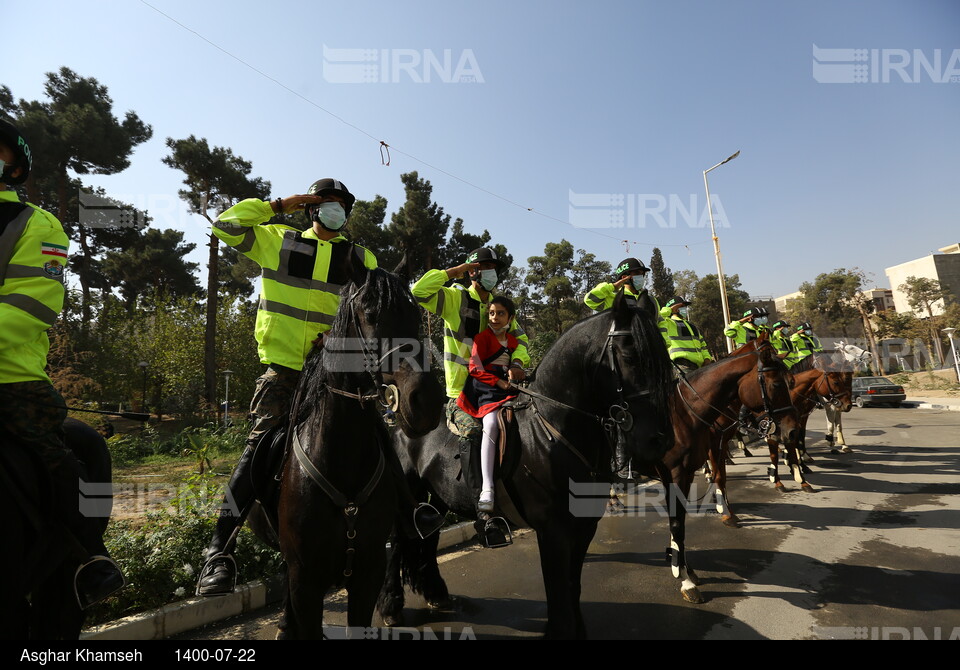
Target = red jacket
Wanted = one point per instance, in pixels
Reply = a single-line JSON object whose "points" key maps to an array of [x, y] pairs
{"points": [[485, 345]]}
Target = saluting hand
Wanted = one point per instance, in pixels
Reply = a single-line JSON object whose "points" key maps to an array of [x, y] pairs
{"points": [[292, 203], [458, 271]]}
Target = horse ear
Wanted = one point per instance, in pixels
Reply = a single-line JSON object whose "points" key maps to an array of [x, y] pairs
{"points": [[403, 269]]}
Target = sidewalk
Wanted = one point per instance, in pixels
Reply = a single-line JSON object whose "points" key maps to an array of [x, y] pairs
{"points": [[188, 614], [949, 404]]}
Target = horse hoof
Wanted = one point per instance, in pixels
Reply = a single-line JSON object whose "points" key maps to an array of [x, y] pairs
{"points": [[391, 620], [692, 576], [806, 487], [781, 488], [442, 604], [846, 450], [692, 595], [731, 521]]}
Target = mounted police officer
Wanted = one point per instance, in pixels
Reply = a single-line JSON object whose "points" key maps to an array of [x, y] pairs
{"points": [[33, 255], [685, 343], [631, 276], [748, 327], [780, 339], [303, 272], [464, 311], [805, 342]]}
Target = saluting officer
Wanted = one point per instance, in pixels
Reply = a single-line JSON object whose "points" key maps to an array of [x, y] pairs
{"points": [[685, 343], [631, 275]]}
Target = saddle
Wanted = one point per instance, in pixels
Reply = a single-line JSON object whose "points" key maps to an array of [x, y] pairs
{"points": [[265, 470]]}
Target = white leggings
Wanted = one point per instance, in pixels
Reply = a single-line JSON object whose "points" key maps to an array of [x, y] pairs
{"points": [[488, 447]]}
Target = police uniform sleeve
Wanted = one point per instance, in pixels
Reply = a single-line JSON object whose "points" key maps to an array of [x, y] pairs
{"points": [[522, 354], [732, 329], [31, 294], [239, 227], [601, 297], [431, 294]]}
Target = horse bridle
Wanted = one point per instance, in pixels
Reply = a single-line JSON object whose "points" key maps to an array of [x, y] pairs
{"points": [[767, 424], [618, 421]]}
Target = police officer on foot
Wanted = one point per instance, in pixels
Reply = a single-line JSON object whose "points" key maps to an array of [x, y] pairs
{"points": [[33, 255]]}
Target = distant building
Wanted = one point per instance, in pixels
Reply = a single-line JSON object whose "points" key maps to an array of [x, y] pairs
{"points": [[944, 267], [882, 299], [781, 303]]}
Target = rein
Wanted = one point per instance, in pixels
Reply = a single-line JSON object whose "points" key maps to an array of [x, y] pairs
{"points": [[618, 421], [767, 425]]}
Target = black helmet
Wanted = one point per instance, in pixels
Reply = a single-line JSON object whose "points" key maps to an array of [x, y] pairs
{"points": [[780, 324], [804, 326], [333, 187], [764, 311], [629, 265], [753, 311], [676, 300], [484, 255], [10, 135]]}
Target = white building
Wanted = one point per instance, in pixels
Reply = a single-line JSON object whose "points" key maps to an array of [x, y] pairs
{"points": [[944, 267]]}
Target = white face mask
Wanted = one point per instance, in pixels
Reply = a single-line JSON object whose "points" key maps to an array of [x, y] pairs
{"points": [[683, 312], [331, 215], [488, 279], [760, 321], [638, 281], [808, 332]]}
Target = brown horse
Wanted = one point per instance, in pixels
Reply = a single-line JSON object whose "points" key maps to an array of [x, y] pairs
{"points": [[821, 378], [703, 408]]}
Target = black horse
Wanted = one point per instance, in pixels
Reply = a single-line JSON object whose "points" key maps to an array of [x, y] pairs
{"points": [[40, 557], [339, 495], [605, 380]]}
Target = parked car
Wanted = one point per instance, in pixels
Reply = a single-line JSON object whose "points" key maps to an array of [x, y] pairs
{"points": [[877, 391]]}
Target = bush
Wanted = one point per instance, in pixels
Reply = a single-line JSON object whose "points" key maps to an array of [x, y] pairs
{"points": [[161, 561]]}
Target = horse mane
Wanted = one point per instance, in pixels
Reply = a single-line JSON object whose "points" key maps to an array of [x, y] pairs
{"points": [[654, 368], [381, 292]]}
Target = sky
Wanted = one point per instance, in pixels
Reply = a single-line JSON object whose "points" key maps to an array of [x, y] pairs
{"points": [[547, 120]]}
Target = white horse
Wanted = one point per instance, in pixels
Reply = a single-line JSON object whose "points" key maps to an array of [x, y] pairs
{"points": [[860, 358]]}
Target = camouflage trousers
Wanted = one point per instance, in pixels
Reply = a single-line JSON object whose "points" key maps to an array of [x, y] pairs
{"points": [[34, 413], [271, 401], [467, 427]]}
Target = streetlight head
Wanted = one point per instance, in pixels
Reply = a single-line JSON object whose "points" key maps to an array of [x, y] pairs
{"points": [[143, 364], [949, 331], [731, 157]]}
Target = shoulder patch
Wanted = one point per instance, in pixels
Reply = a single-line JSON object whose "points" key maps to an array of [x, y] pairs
{"points": [[53, 268], [50, 249]]}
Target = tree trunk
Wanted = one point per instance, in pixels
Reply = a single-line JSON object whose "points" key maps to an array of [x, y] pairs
{"points": [[876, 363], [210, 334]]}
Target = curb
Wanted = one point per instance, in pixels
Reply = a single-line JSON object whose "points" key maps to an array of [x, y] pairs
{"points": [[926, 405], [186, 615]]}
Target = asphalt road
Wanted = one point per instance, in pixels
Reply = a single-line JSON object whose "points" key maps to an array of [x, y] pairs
{"points": [[873, 553]]}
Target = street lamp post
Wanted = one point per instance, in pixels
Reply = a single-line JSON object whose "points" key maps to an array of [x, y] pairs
{"points": [[953, 350], [716, 250], [226, 402], [143, 397]]}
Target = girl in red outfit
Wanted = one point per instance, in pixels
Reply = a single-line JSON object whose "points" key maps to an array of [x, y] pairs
{"points": [[488, 388]]}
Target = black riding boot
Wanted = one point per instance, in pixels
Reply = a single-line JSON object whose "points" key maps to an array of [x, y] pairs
{"points": [[219, 574], [424, 520], [98, 575]]}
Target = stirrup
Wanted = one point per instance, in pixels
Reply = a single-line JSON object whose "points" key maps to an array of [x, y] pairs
{"points": [[494, 531], [426, 520], [111, 581], [208, 570]]}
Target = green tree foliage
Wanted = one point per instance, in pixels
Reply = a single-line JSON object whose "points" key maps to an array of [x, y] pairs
{"points": [[706, 308], [922, 293], [153, 263], [828, 302], [418, 229], [214, 178], [685, 283], [365, 227], [75, 129], [663, 285]]}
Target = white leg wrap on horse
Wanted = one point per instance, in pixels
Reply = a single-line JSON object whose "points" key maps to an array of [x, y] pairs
{"points": [[797, 474], [675, 558], [772, 473], [722, 508]]}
